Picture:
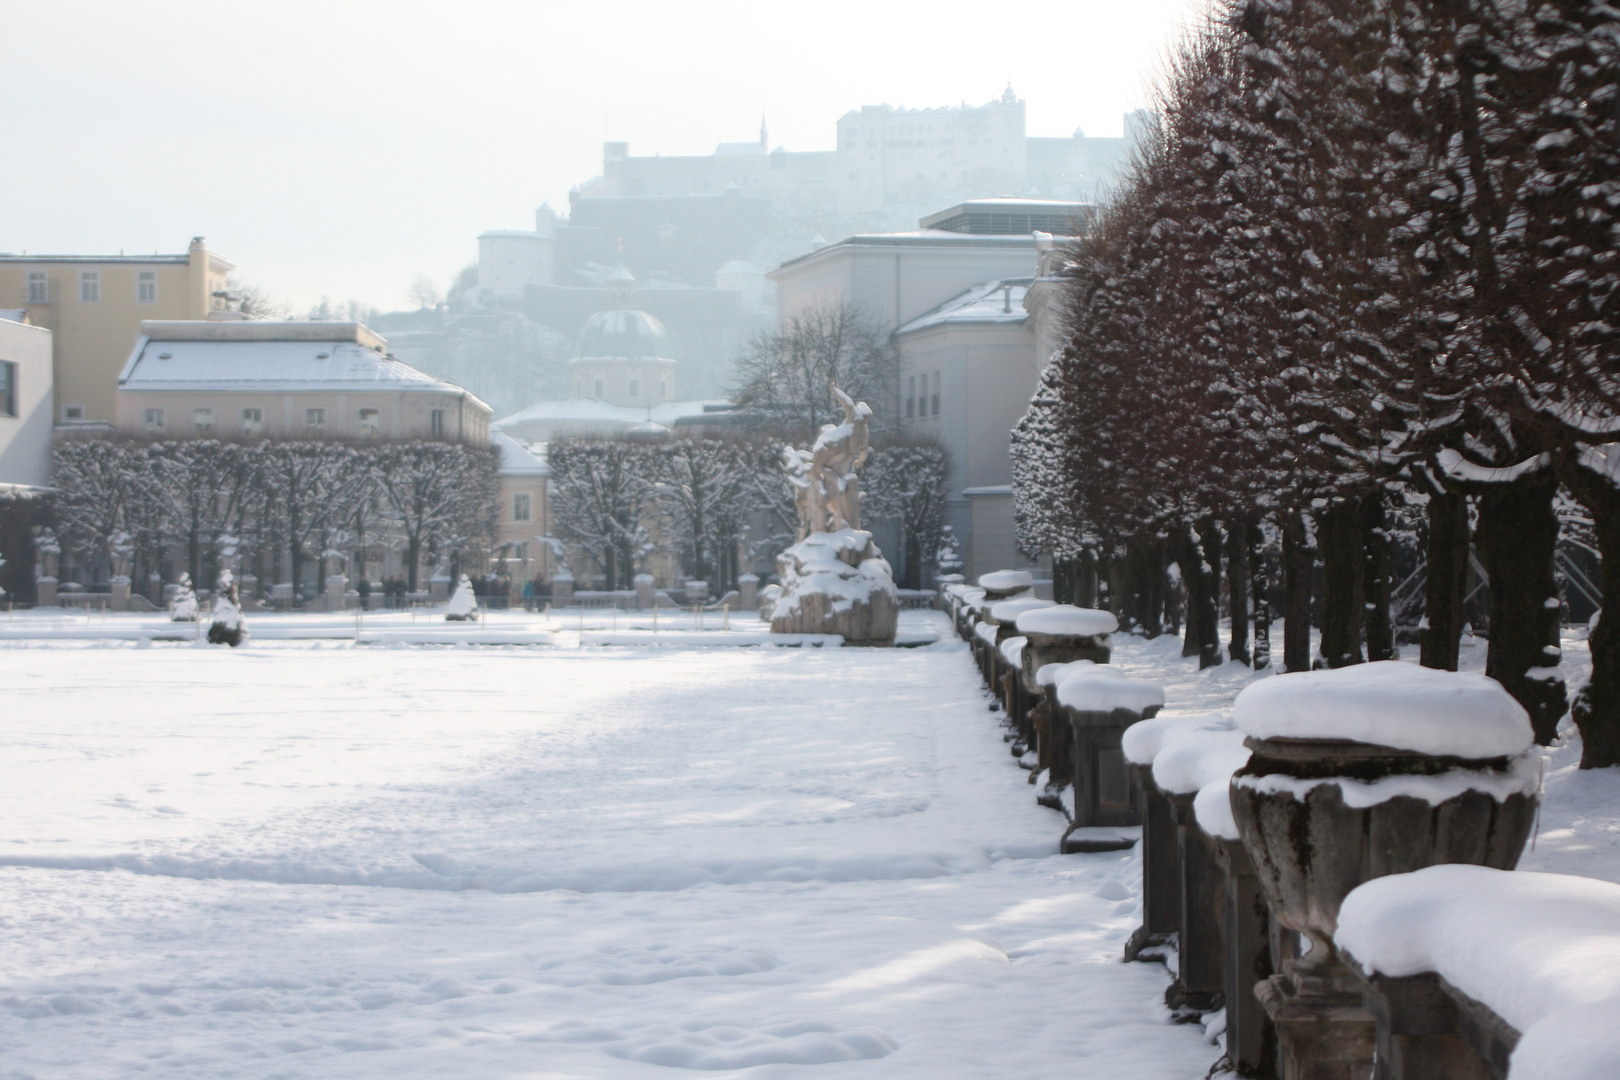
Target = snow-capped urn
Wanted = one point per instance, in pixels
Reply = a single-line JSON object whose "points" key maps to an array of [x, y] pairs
{"points": [[228, 627], [183, 608], [834, 579], [1364, 771], [463, 606]]}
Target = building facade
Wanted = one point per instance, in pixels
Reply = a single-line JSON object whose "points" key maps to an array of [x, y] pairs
{"points": [[93, 306], [26, 397], [247, 380]]}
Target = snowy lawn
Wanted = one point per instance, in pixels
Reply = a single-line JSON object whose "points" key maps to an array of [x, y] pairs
{"points": [[308, 859]]}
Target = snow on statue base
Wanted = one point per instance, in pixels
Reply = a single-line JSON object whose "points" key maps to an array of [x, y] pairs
{"points": [[836, 583]]}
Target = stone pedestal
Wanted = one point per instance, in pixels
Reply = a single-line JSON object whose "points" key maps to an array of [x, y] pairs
{"points": [[1201, 980], [337, 587], [1043, 649], [45, 592], [748, 592], [1161, 868], [644, 591], [281, 595], [118, 596], [1106, 790], [697, 592], [837, 583], [1251, 1040], [439, 588], [1427, 1028], [562, 591]]}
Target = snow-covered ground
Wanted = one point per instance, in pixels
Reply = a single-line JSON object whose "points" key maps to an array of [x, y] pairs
{"points": [[318, 859]]}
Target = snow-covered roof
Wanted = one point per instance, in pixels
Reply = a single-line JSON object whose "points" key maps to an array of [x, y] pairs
{"points": [[999, 301], [253, 356], [924, 238], [16, 315], [516, 459], [546, 420]]}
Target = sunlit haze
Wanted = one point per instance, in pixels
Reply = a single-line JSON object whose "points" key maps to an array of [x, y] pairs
{"points": [[341, 149]]}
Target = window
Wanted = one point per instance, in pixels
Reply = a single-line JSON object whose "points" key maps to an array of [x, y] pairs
{"points": [[72, 412], [154, 419], [520, 506], [8, 388], [936, 393], [203, 420], [315, 419], [39, 287], [601, 391], [370, 423], [635, 387], [252, 421], [146, 287], [520, 551], [911, 397], [436, 423], [89, 286]]}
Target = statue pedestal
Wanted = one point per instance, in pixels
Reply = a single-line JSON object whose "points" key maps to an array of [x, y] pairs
{"points": [[837, 583], [748, 593], [45, 592], [644, 591], [119, 598]]}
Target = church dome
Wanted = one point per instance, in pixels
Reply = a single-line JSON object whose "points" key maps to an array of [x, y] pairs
{"points": [[623, 334]]}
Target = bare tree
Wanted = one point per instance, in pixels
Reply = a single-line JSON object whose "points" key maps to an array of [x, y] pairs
{"points": [[423, 293], [788, 373]]}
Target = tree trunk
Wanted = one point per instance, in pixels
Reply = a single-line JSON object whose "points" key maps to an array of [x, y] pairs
{"points": [[1517, 539], [1153, 590], [1342, 596], [1256, 538], [1203, 638], [1299, 566], [413, 556], [1446, 574], [1085, 585], [1237, 592], [1597, 706], [1376, 573]]}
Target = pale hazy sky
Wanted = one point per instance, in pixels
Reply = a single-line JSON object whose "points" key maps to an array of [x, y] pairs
{"points": [[342, 147]]}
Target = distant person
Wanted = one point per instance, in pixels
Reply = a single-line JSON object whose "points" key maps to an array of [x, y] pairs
{"points": [[364, 589], [528, 595]]}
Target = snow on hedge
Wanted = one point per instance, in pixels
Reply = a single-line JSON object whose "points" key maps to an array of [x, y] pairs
{"points": [[1087, 687], [1009, 611], [1389, 703], [1541, 950], [1002, 580], [1067, 619]]}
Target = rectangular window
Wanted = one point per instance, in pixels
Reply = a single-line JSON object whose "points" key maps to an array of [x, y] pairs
{"points": [[8, 388], [911, 397], [436, 423], [936, 393], [89, 286], [370, 423], [252, 421], [72, 412], [600, 389], [315, 419], [520, 551], [146, 287], [635, 387], [154, 419], [203, 420], [520, 506], [39, 287]]}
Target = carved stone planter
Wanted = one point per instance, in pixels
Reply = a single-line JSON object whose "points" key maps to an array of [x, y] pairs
{"points": [[1311, 844]]}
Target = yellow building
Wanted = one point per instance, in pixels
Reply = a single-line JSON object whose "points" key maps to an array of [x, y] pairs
{"points": [[94, 305]]}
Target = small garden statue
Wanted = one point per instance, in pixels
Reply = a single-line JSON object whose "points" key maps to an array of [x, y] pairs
{"points": [[183, 608], [463, 606], [228, 627]]}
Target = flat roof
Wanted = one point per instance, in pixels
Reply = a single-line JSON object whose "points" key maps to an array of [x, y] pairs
{"points": [[921, 238], [999, 301], [262, 330]]}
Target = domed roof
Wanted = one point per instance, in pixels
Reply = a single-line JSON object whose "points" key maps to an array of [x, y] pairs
{"points": [[623, 334]]}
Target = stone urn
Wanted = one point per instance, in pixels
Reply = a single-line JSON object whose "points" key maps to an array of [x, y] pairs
{"points": [[1319, 815], [1005, 584], [1062, 634]]}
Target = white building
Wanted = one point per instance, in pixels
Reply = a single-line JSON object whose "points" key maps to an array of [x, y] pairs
{"points": [[954, 294], [25, 401]]}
